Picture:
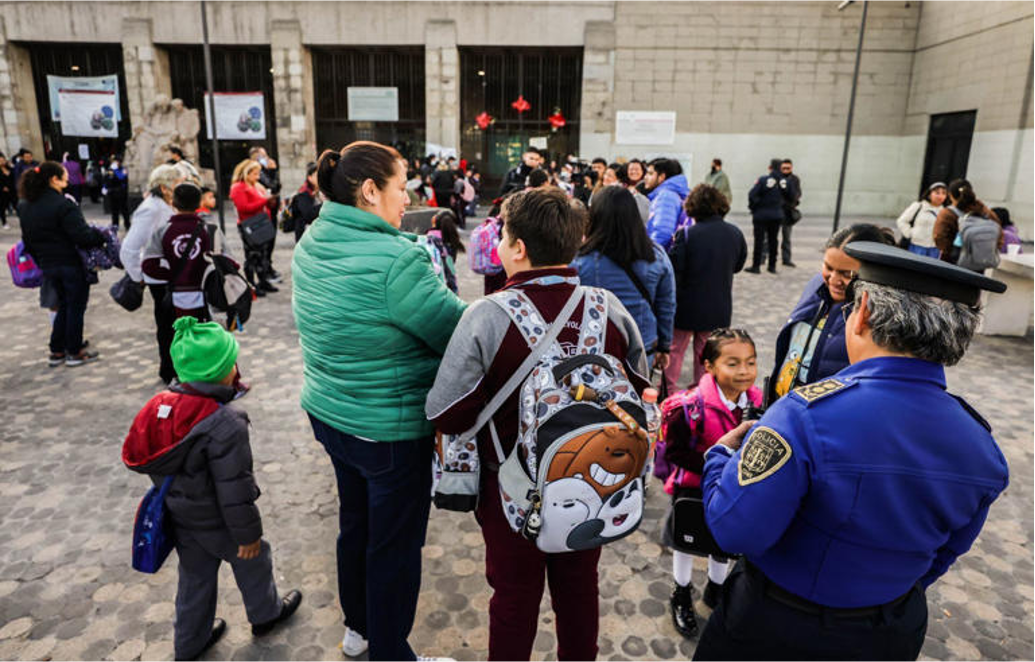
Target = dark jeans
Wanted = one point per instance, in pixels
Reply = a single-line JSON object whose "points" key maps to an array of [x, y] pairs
{"points": [[767, 234], [384, 490], [785, 243], [73, 292], [257, 265], [749, 623], [164, 319], [517, 571]]}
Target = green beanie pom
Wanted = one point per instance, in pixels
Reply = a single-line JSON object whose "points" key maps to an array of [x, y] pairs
{"points": [[202, 351]]}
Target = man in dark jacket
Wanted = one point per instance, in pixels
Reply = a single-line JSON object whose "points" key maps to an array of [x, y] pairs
{"points": [[188, 435], [515, 179], [791, 186], [766, 202], [53, 228], [704, 257]]}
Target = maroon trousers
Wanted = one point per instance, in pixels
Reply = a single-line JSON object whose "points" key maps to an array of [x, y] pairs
{"points": [[517, 571]]}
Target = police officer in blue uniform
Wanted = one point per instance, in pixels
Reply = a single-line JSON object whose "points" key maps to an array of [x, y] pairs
{"points": [[853, 494]]}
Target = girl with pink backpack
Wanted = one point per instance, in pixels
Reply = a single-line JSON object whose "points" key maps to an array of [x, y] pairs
{"points": [[692, 421]]}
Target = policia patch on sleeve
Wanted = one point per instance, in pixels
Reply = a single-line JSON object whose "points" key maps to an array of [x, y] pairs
{"points": [[762, 455], [812, 392]]}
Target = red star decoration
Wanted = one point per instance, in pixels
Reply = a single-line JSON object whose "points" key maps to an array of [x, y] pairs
{"points": [[557, 120], [521, 105], [484, 119]]}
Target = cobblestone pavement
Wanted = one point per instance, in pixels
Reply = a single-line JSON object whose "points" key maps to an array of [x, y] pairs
{"points": [[67, 503]]}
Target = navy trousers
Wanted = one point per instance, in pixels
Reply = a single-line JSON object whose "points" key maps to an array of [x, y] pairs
{"points": [[73, 292], [384, 489]]}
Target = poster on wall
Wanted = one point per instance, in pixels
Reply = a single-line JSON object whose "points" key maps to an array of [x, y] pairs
{"points": [[101, 83], [373, 104], [239, 115], [645, 127], [88, 113]]}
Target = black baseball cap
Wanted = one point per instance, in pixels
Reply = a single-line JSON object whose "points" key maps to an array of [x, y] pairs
{"points": [[904, 270]]}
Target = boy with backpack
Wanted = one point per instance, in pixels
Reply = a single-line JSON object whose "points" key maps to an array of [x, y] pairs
{"points": [[189, 433], [587, 334]]}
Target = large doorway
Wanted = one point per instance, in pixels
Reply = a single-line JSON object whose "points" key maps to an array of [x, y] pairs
{"points": [[491, 79], [335, 70], [948, 147], [234, 69], [75, 60]]}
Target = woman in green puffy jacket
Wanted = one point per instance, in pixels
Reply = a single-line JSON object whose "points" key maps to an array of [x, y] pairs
{"points": [[373, 320]]}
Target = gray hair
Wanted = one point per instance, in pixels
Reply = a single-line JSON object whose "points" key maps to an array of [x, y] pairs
{"points": [[164, 175], [926, 327]]}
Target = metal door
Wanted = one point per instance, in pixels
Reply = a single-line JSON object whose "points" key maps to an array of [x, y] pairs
{"points": [[948, 147]]}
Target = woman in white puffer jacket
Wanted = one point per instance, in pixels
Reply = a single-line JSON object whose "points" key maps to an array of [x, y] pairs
{"points": [[917, 222]]}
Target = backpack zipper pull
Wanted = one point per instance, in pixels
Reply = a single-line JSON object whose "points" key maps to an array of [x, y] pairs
{"points": [[534, 521]]}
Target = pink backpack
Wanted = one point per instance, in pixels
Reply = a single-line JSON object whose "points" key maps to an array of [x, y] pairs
{"points": [[24, 271], [482, 256]]}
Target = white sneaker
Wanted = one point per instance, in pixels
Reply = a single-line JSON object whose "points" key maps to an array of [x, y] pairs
{"points": [[353, 644]]}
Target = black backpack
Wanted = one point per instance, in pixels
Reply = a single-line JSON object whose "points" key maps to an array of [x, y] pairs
{"points": [[227, 291]]}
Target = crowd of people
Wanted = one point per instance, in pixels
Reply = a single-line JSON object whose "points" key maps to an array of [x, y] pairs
{"points": [[629, 262]]}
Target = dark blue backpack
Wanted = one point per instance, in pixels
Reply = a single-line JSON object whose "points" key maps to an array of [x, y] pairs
{"points": [[152, 532]]}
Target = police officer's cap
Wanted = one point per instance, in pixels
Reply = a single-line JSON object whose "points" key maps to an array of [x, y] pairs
{"points": [[904, 270]]}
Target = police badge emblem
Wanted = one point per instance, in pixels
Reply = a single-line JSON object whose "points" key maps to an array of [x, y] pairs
{"points": [[762, 455]]}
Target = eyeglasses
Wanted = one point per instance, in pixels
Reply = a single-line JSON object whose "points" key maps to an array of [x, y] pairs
{"points": [[846, 310]]}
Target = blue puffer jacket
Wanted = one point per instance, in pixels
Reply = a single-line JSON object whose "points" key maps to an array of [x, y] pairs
{"points": [[666, 209], [598, 270], [831, 355]]}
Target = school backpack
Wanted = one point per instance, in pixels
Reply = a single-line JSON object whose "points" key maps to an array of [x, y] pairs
{"points": [[468, 193], [226, 290], [576, 476], [485, 240], [430, 246], [682, 421], [24, 271], [152, 530], [979, 237]]}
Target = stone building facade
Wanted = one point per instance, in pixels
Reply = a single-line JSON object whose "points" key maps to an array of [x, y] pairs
{"points": [[748, 81]]}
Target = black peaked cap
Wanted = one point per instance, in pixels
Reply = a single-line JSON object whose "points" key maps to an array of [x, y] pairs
{"points": [[895, 267]]}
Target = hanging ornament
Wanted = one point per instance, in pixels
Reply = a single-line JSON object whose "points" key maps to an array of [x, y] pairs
{"points": [[557, 120], [521, 105], [484, 119]]}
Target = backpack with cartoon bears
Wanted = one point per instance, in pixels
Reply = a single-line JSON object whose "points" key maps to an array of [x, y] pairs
{"points": [[576, 476]]}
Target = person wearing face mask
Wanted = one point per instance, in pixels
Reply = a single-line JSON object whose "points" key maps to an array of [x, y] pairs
{"points": [[811, 345], [515, 179], [917, 221], [373, 321]]}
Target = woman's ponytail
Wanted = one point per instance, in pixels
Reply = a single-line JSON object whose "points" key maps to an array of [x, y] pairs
{"points": [[340, 174], [35, 181]]}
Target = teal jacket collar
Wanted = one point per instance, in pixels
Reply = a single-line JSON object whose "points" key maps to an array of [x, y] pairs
{"points": [[356, 218]]}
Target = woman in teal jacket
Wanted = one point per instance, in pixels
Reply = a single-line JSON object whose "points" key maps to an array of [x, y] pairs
{"points": [[373, 320]]}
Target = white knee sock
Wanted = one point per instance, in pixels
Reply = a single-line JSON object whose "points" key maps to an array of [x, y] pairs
{"points": [[682, 567], [717, 570]]}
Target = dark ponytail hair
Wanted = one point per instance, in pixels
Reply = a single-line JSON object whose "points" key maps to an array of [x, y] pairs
{"points": [[861, 232], [963, 193], [36, 180], [340, 174], [713, 346], [445, 222]]}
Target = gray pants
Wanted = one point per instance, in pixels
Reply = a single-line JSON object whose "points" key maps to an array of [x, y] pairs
{"points": [[201, 553], [785, 244]]}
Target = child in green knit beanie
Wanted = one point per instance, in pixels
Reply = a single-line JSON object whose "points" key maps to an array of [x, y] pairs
{"points": [[188, 433]]}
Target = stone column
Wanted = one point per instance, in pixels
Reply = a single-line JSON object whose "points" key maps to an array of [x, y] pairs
{"points": [[19, 117], [293, 97], [442, 84], [596, 123], [146, 80]]}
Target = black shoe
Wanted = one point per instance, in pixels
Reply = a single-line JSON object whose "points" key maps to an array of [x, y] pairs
{"points": [[259, 292], [711, 594], [682, 607], [275, 275], [789, 264], [772, 270], [753, 270], [288, 606], [218, 630], [267, 286]]}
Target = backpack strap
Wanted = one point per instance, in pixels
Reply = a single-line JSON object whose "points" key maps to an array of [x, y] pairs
{"points": [[525, 316], [539, 350], [594, 322]]}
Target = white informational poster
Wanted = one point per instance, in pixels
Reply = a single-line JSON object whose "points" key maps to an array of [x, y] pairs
{"points": [[84, 151], [239, 116], [373, 104], [539, 142], [88, 113], [638, 127], [103, 83]]}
